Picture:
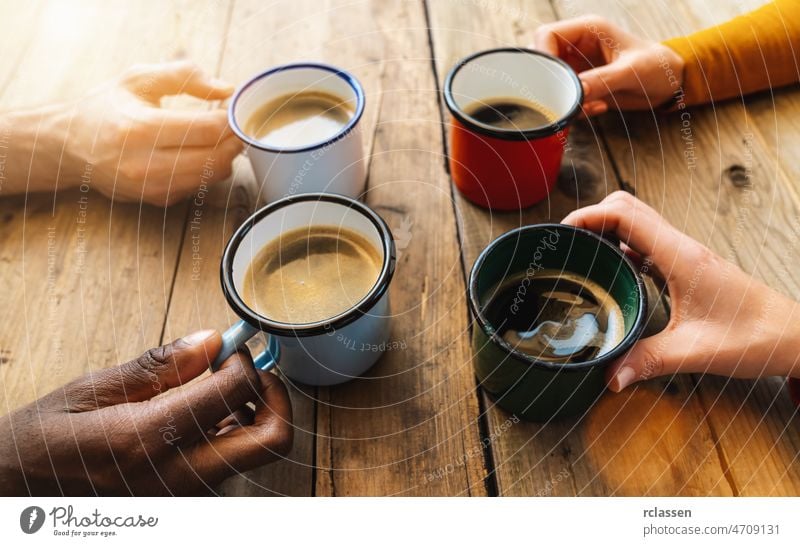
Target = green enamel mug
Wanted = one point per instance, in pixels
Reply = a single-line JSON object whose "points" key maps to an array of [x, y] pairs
{"points": [[533, 388]]}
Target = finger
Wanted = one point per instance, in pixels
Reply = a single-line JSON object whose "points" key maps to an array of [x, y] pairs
{"points": [[172, 178], [156, 371], [553, 38], [632, 255], [274, 403], [201, 405], [153, 81], [240, 418], [545, 40], [595, 108], [197, 161], [601, 82], [578, 41], [268, 438], [648, 358], [643, 361], [628, 100], [187, 128], [165, 163], [634, 223]]}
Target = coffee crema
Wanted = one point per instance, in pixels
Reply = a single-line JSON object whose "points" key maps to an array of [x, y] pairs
{"points": [[511, 113], [299, 119], [311, 274], [555, 316]]}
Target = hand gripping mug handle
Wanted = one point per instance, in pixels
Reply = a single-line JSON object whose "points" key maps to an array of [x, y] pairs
{"points": [[234, 339]]}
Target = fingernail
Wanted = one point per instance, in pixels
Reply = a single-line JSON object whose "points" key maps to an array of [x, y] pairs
{"points": [[586, 87], [198, 338], [625, 376]]}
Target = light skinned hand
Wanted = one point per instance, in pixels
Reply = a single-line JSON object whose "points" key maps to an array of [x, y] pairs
{"points": [[619, 70], [129, 430], [722, 320], [142, 151], [121, 141]]}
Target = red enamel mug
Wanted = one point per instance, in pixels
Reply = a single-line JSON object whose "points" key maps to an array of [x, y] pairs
{"points": [[512, 167]]}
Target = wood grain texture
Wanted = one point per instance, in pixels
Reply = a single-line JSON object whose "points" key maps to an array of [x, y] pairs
{"points": [[722, 174], [86, 281], [79, 295], [409, 427], [613, 449]]}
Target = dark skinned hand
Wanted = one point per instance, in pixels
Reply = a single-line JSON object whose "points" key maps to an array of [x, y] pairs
{"points": [[129, 430]]}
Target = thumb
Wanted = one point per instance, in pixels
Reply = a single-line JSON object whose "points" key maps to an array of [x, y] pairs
{"points": [[604, 80], [153, 81], [648, 358], [154, 372]]}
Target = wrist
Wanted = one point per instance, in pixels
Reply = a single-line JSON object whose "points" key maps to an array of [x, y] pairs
{"points": [[785, 359], [673, 67], [38, 153], [12, 482]]}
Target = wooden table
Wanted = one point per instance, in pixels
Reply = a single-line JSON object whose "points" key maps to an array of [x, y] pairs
{"points": [[78, 297]]}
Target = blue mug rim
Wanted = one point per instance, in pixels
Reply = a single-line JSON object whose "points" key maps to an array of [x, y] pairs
{"points": [[343, 74]]}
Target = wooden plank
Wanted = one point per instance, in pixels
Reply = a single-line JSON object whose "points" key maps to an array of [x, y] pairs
{"points": [[82, 293], [410, 426], [613, 450], [694, 182]]}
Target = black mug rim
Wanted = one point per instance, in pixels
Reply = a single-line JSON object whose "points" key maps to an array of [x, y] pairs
{"points": [[511, 134], [312, 328], [630, 338]]}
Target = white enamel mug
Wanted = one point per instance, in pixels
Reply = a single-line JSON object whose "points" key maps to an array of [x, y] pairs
{"points": [[335, 165], [320, 353]]}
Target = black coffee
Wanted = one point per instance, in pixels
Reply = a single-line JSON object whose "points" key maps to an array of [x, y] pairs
{"points": [[555, 316], [511, 113]]}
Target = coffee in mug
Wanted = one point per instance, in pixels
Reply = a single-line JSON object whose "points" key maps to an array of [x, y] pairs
{"points": [[557, 316], [513, 113], [311, 274], [298, 119], [299, 124]]}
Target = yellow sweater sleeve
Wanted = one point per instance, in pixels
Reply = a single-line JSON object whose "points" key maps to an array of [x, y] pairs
{"points": [[755, 51]]}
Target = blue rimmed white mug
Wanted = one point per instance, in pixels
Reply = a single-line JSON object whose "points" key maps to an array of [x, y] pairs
{"points": [[318, 353], [335, 165]]}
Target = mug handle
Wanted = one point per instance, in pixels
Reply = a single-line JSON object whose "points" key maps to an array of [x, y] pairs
{"points": [[234, 339]]}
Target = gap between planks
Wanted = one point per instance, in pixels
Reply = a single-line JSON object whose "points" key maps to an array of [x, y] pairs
{"points": [[217, 72]]}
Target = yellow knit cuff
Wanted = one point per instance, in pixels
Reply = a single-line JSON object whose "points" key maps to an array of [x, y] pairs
{"points": [[695, 87]]}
